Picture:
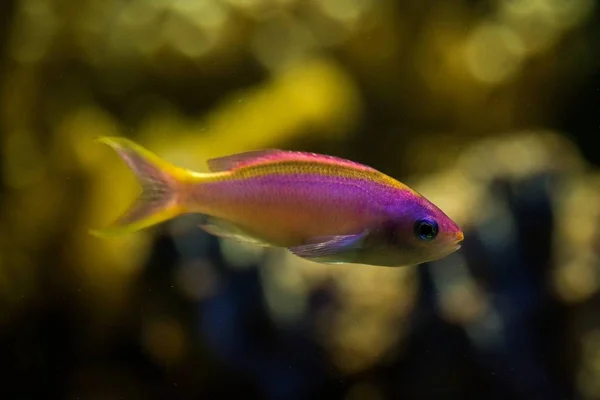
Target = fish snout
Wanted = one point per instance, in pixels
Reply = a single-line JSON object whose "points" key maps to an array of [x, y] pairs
{"points": [[454, 237], [459, 237]]}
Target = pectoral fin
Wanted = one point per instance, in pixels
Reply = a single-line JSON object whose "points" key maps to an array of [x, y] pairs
{"points": [[331, 249]]}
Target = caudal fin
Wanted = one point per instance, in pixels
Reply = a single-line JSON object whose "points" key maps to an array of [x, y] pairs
{"points": [[161, 185]]}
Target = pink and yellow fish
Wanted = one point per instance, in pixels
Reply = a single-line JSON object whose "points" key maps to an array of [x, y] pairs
{"points": [[321, 208]]}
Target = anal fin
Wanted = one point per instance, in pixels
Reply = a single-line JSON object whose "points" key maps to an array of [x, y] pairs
{"points": [[228, 230]]}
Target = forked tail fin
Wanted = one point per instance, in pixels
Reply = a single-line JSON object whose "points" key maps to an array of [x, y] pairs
{"points": [[161, 184]]}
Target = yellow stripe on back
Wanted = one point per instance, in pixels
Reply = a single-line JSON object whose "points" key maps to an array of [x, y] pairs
{"points": [[308, 167]]}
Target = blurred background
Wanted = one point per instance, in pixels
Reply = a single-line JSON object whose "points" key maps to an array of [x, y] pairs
{"points": [[489, 108]]}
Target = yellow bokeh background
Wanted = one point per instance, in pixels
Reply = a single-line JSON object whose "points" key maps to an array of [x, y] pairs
{"points": [[445, 96]]}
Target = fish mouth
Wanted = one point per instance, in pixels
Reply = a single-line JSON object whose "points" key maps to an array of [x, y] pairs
{"points": [[453, 241], [458, 240]]}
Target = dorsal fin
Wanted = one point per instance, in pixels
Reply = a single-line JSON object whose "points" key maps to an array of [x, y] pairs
{"points": [[227, 163], [230, 162]]}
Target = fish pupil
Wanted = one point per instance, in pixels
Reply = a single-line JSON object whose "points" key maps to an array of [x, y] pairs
{"points": [[426, 229]]}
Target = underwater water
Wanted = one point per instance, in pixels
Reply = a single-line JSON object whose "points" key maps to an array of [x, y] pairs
{"points": [[486, 108]]}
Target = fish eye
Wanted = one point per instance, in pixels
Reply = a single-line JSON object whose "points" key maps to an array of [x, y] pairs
{"points": [[426, 229]]}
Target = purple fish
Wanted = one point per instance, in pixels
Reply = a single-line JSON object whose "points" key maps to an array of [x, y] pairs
{"points": [[321, 208]]}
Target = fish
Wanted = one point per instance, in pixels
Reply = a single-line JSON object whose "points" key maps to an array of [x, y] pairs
{"points": [[321, 208]]}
